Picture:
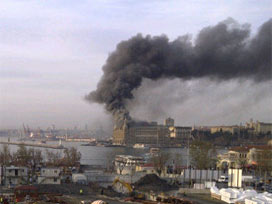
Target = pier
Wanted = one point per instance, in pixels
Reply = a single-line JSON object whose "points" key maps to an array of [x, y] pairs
{"points": [[34, 145], [79, 139]]}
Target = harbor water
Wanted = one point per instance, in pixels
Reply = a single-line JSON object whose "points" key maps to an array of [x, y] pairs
{"points": [[99, 155]]}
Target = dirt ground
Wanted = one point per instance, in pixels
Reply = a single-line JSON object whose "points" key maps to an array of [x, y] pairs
{"points": [[77, 199], [203, 199]]}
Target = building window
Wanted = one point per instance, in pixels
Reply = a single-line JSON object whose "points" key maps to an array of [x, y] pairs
{"points": [[55, 179]]}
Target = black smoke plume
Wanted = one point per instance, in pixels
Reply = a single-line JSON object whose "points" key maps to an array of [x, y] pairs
{"points": [[224, 51]]}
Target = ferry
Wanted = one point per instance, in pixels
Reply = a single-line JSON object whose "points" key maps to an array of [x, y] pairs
{"points": [[92, 143], [128, 160], [153, 152]]}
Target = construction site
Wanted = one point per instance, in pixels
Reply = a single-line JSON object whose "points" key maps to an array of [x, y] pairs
{"points": [[149, 189]]}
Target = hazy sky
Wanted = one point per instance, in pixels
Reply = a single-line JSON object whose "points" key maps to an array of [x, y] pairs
{"points": [[52, 51]]}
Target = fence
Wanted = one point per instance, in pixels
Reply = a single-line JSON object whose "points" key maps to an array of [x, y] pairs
{"points": [[196, 175]]}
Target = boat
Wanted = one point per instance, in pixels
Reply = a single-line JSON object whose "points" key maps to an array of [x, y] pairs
{"points": [[42, 142], [114, 145], [154, 151], [60, 144], [92, 143], [139, 146], [128, 160]]}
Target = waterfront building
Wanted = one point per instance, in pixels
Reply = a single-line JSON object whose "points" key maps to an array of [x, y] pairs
{"points": [[150, 133], [180, 135]]}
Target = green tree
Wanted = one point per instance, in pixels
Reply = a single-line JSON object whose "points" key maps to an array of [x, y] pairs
{"points": [[202, 155]]}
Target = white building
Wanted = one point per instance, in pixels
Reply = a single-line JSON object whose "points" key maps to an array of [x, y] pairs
{"points": [[50, 176], [146, 168], [15, 175]]}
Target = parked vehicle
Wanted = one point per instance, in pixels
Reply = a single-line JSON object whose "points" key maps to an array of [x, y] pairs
{"points": [[223, 179], [266, 187]]}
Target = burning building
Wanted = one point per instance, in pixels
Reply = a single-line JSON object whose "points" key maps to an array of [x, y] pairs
{"points": [[132, 133], [150, 133]]}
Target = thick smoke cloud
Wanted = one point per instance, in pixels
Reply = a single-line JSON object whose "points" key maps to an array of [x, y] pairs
{"points": [[221, 52]]}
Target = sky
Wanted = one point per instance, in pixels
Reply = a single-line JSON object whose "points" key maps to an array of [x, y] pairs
{"points": [[51, 54]]}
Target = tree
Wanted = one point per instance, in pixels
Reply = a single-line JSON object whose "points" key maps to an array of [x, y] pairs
{"points": [[264, 161], [5, 155], [22, 157], [71, 157], [159, 162], [53, 159], [202, 155], [177, 163], [36, 156], [242, 163], [110, 158]]}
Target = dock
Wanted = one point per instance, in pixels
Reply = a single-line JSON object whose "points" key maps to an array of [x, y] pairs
{"points": [[34, 145], [79, 139]]}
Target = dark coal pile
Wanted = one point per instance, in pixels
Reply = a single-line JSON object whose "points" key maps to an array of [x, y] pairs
{"points": [[154, 183]]}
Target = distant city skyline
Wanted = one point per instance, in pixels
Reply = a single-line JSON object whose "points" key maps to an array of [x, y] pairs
{"points": [[52, 53]]}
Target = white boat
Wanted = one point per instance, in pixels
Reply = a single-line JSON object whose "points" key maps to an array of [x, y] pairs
{"points": [[139, 146]]}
